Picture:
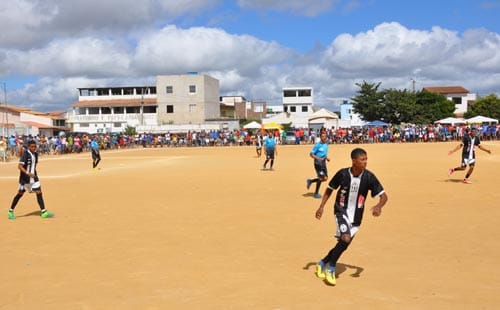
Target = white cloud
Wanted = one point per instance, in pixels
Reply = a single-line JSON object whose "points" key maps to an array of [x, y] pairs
{"points": [[76, 57], [174, 50], [32, 23], [257, 69]]}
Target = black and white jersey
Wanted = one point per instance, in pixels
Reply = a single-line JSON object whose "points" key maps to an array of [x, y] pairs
{"points": [[352, 193], [469, 142], [29, 161]]}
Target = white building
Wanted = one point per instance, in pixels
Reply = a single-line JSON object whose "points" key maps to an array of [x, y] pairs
{"points": [[348, 118], [298, 100], [460, 96], [112, 109], [297, 107], [175, 103]]}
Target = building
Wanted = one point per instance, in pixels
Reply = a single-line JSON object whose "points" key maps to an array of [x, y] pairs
{"points": [[187, 99], [460, 96], [177, 103], [298, 100], [19, 121], [297, 107], [348, 118], [237, 107], [112, 109]]}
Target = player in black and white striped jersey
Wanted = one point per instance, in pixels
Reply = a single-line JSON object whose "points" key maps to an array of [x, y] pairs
{"points": [[353, 184]]}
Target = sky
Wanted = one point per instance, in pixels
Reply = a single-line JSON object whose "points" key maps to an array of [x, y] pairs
{"points": [[253, 47]]}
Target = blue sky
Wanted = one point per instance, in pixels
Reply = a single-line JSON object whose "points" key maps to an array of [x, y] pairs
{"points": [[254, 47]]}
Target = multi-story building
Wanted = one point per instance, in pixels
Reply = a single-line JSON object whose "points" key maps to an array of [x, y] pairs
{"points": [[298, 100], [112, 109], [187, 99], [176, 102]]}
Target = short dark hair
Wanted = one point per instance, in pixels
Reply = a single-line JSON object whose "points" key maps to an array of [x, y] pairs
{"points": [[357, 152], [30, 142]]}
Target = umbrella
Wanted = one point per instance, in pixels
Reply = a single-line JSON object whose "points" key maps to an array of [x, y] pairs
{"points": [[481, 119], [376, 124], [450, 120], [272, 125], [252, 125]]}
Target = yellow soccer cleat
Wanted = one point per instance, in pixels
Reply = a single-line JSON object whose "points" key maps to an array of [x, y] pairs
{"points": [[320, 270], [330, 276]]}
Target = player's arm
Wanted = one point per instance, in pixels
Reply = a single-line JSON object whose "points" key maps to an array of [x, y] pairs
{"points": [[326, 195], [377, 209], [482, 148], [455, 149], [20, 166]]}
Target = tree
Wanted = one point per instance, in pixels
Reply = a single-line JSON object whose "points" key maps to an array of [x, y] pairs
{"points": [[399, 106], [130, 131], [431, 107], [488, 106], [368, 102]]}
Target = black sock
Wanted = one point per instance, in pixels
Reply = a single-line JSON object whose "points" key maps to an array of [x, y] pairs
{"points": [[318, 184], [15, 201], [39, 198], [334, 254]]}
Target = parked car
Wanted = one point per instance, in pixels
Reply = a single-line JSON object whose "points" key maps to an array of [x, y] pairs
{"points": [[290, 137]]}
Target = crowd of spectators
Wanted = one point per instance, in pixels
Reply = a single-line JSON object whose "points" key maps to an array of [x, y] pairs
{"points": [[80, 142]]}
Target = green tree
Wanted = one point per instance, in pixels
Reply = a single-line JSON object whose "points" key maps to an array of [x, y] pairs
{"points": [[369, 101], [488, 106], [399, 106], [130, 131], [431, 107]]}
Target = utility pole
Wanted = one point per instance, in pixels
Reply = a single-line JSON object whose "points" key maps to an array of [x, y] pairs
{"points": [[5, 116]]}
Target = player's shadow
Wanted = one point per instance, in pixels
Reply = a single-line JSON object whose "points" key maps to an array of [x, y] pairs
{"points": [[454, 180], [339, 269], [37, 213], [308, 195]]}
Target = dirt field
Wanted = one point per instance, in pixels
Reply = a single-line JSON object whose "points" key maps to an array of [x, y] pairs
{"points": [[194, 228]]}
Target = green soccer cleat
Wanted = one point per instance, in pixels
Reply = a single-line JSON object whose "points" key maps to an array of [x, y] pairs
{"points": [[330, 276], [47, 214], [320, 270], [11, 215]]}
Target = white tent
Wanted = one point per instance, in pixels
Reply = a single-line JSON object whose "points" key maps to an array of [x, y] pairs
{"points": [[450, 120], [481, 119], [324, 118], [323, 113], [252, 125]]}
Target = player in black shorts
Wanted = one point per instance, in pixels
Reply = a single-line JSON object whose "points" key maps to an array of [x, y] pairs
{"points": [[469, 142], [352, 185], [28, 180]]}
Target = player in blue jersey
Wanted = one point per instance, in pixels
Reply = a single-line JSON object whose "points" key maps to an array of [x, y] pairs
{"points": [[320, 155], [96, 155], [270, 149], [28, 180], [353, 185]]}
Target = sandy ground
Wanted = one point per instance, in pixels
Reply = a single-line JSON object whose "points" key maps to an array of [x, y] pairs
{"points": [[194, 228]]}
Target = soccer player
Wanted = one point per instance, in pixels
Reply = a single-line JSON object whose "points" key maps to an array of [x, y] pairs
{"points": [[469, 142], [320, 155], [96, 155], [271, 151], [28, 180], [353, 185], [258, 144]]}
